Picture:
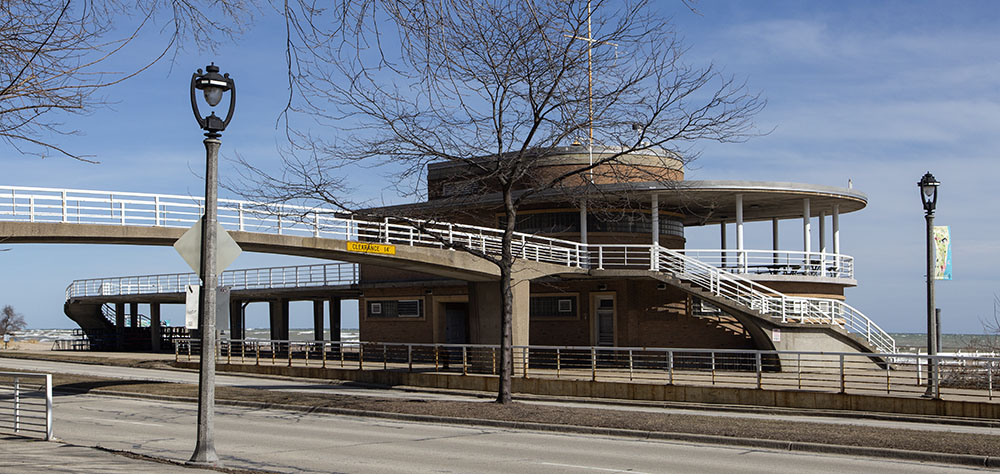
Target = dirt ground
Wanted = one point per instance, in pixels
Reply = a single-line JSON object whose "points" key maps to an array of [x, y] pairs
{"points": [[834, 434], [28, 346]]}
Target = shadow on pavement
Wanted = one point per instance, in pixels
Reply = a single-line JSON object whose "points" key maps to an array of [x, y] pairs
{"points": [[76, 388]]}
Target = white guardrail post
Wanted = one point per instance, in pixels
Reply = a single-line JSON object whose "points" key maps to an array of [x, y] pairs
{"points": [[29, 406]]}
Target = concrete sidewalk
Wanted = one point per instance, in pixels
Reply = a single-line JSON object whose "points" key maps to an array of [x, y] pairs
{"points": [[25, 455]]}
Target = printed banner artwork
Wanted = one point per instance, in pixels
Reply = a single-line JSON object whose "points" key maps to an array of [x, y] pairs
{"points": [[368, 247], [942, 247]]}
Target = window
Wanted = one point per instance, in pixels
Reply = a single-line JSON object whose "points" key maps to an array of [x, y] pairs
{"points": [[408, 308], [553, 306], [411, 308]]}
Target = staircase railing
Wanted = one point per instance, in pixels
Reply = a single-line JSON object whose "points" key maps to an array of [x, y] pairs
{"points": [[772, 303], [109, 313], [855, 322]]}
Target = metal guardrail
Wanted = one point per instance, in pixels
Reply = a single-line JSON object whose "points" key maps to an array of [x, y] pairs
{"points": [[138, 209], [299, 276], [776, 262], [26, 403], [898, 374]]}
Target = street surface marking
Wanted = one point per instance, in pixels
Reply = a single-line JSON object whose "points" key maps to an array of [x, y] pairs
{"points": [[574, 466]]}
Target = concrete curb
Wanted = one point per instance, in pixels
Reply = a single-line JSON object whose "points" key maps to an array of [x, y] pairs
{"points": [[931, 419], [796, 446]]}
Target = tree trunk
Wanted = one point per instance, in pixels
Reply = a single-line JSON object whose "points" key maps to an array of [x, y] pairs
{"points": [[506, 300]]}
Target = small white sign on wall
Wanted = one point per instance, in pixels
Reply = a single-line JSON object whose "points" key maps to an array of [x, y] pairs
{"points": [[776, 335]]}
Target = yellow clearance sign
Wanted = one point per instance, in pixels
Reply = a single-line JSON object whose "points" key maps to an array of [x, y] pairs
{"points": [[368, 247]]}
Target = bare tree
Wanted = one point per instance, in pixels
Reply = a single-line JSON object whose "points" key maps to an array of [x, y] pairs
{"points": [[493, 86], [990, 339], [54, 52], [11, 321]]}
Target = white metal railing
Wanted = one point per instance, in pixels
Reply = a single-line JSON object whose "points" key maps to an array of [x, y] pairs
{"points": [[138, 209], [776, 262], [774, 304], [299, 276], [29, 204], [26, 403], [854, 322], [895, 374]]}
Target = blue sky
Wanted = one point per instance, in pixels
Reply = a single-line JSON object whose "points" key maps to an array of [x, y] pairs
{"points": [[878, 93]]}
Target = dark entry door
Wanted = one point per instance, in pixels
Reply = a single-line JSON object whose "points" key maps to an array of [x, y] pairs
{"points": [[456, 323], [605, 320]]}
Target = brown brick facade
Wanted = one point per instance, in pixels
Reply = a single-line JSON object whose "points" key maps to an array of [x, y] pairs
{"points": [[645, 316]]}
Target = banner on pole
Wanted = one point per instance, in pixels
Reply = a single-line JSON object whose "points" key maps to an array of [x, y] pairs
{"points": [[942, 248]]}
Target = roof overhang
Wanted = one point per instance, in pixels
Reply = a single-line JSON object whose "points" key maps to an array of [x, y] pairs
{"points": [[700, 202]]}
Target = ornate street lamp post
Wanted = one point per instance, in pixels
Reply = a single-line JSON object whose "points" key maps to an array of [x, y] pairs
{"points": [[214, 86], [928, 194]]}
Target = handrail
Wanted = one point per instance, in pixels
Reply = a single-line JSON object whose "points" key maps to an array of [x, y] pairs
{"points": [[773, 303], [113, 208], [776, 262], [109, 314], [293, 276]]}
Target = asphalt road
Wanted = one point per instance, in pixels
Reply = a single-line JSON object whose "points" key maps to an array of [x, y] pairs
{"points": [[284, 441]]}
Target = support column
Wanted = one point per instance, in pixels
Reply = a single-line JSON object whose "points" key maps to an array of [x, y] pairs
{"points": [[836, 229], [119, 326], [154, 327], [278, 315], [774, 239], [318, 320], [822, 232], [741, 257], [236, 320], [484, 312], [655, 215], [806, 228], [822, 243], [133, 309], [722, 244], [335, 326], [335, 319], [583, 222]]}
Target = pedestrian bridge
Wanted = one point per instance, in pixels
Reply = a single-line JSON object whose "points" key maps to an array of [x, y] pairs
{"points": [[41, 215]]}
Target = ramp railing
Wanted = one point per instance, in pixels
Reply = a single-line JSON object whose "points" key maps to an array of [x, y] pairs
{"points": [[298, 276]]}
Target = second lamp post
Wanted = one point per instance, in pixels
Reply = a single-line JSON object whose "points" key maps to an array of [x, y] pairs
{"points": [[928, 194]]}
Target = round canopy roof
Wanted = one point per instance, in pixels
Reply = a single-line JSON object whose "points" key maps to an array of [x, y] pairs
{"points": [[696, 202], [712, 202]]}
